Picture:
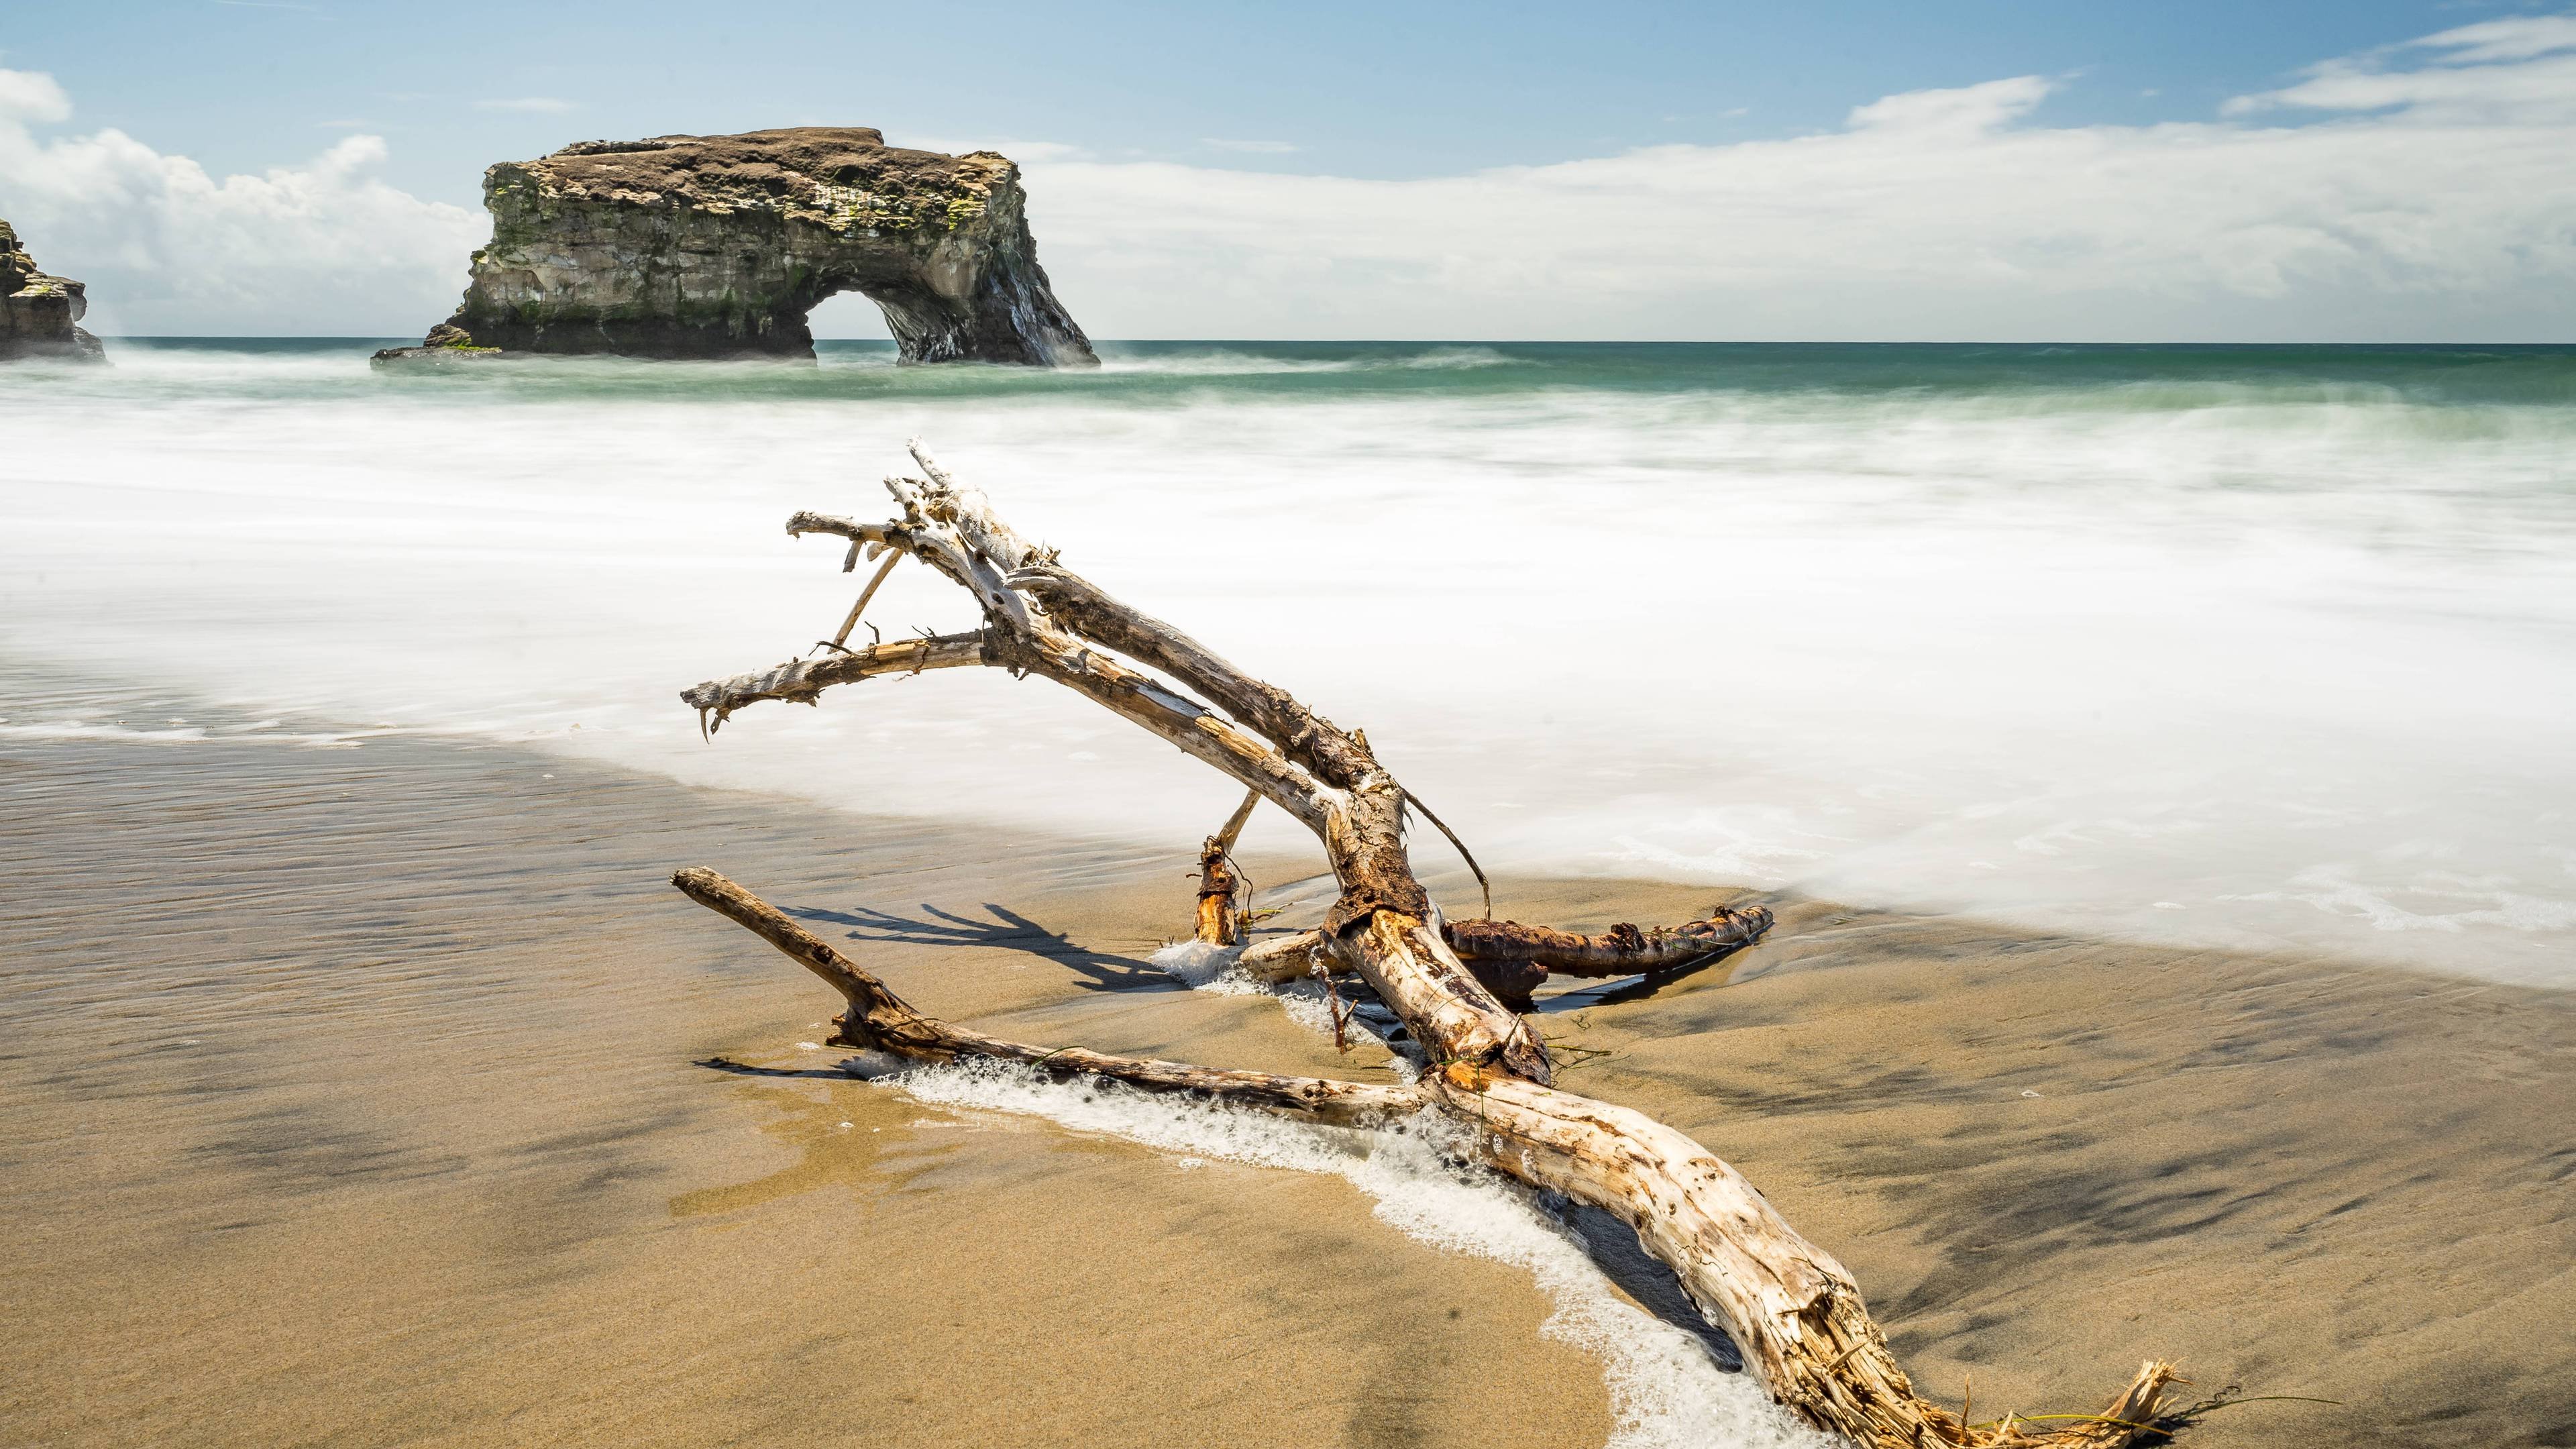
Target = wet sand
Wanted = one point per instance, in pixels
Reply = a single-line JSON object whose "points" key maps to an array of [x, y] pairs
{"points": [[358, 1096], [2046, 1157]]}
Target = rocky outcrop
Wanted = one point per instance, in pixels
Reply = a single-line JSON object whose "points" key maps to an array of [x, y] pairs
{"points": [[717, 246], [40, 315]]}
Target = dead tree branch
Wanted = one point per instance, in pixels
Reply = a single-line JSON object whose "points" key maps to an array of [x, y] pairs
{"points": [[1513, 960], [1793, 1311], [801, 681]]}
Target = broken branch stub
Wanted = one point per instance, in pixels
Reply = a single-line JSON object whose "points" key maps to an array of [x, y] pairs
{"points": [[1795, 1313], [1221, 922]]}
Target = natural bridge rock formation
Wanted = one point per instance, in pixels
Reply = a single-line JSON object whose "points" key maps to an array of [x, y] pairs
{"points": [[717, 246], [39, 315]]}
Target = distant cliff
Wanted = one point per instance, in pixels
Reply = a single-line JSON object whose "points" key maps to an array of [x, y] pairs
{"points": [[717, 246], [40, 315]]}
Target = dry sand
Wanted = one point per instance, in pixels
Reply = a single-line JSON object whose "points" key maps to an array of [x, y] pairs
{"points": [[354, 1097]]}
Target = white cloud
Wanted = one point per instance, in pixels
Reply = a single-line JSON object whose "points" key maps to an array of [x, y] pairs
{"points": [[1261, 148], [1920, 116], [27, 95], [2420, 192], [2522, 37], [324, 247], [2522, 67], [541, 105], [2423, 193]]}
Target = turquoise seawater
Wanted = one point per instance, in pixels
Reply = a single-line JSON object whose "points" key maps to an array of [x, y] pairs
{"points": [[2252, 646], [2145, 376]]}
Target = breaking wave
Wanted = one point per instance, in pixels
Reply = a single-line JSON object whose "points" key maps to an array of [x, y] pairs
{"points": [[2128, 640]]}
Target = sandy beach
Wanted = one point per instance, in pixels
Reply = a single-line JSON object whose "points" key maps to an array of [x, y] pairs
{"points": [[656, 704], [385, 1093]]}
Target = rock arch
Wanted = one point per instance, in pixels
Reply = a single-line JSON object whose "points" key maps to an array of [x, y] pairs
{"points": [[718, 246]]}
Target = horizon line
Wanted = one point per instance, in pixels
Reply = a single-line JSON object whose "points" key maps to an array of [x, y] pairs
{"points": [[1472, 341]]}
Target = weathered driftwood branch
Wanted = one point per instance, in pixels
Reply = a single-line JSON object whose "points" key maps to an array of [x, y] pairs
{"points": [[1794, 1311], [1513, 960], [801, 681], [842, 635]]}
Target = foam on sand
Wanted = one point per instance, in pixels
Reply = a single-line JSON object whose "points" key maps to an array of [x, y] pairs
{"points": [[1203, 967], [1666, 1390]]}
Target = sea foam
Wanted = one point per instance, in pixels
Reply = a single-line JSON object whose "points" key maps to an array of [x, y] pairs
{"points": [[1203, 967]]}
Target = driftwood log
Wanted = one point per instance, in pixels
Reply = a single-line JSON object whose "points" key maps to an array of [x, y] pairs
{"points": [[1793, 1312]]}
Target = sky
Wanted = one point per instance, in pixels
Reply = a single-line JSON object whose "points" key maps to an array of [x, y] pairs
{"points": [[2291, 171]]}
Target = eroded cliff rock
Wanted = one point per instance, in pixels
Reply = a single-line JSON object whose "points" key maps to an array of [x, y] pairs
{"points": [[40, 315], [717, 246]]}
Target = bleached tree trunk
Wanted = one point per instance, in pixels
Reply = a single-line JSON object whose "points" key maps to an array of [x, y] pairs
{"points": [[1793, 1310]]}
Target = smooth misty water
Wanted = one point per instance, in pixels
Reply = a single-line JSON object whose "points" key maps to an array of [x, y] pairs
{"points": [[2244, 646]]}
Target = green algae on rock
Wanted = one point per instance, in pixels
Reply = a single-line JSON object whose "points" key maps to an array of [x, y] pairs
{"points": [[40, 314], [718, 246]]}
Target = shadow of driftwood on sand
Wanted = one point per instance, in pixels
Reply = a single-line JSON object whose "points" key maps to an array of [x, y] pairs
{"points": [[1007, 930], [731, 1067], [1634, 988]]}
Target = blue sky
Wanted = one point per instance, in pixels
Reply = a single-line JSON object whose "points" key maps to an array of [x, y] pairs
{"points": [[1315, 170], [1370, 90]]}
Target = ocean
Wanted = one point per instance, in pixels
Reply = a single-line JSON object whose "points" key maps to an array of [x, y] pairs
{"points": [[2267, 648]]}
